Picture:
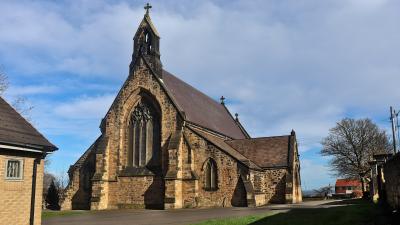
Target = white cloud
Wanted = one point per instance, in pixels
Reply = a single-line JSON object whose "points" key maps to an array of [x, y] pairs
{"points": [[317, 175], [85, 107], [16, 90]]}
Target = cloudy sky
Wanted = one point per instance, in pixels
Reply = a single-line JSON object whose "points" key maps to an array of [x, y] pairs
{"points": [[281, 64]]}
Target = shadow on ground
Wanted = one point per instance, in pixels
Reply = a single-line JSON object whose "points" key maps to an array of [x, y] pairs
{"points": [[345, 202], [346, 212]]}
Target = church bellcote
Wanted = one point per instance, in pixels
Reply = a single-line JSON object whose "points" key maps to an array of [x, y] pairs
{"points": [[146, 43]]}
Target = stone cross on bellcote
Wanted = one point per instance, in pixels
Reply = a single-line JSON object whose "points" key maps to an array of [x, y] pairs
{"points": [[147, 7]]}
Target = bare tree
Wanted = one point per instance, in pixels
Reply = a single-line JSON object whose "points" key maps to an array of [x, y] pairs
{"points": [[61, 180], [19, 103], [3, 81], [352, 143]]}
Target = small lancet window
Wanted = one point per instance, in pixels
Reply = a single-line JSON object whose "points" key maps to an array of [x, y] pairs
{"points": [[211, 181]]}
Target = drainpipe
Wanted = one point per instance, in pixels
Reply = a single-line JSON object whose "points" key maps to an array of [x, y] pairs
{"points": [[33, 195]]}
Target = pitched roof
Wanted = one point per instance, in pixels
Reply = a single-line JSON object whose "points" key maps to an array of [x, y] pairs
{"points": [[85, 155], [220, 143], [15, 130], [347, 182], [265, 151], [201, 109], [148, 20]]}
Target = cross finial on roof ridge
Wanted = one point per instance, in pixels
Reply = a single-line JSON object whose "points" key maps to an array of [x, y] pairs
{"points": [[147, 7], [222, 100]]}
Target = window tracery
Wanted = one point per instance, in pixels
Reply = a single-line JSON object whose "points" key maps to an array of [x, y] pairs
{"points": [[143, 136]]}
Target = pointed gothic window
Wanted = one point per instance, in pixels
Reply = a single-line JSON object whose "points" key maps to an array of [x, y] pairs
{"points": [[210, 176], [143, 136]]}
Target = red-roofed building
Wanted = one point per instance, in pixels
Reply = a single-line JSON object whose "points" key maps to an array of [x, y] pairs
{"points": [[348, 187]]}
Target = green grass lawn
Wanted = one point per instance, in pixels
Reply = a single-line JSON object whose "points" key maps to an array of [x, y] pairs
{"points": [[238, 220], [358, 212], [48, 214]]}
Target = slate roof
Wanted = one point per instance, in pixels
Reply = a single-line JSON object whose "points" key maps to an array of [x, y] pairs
{"points": [[15, 130], [266, 151], [201, 109]]}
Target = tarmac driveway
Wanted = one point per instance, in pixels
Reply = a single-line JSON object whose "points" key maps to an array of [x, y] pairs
{"points": [[178, 216]]}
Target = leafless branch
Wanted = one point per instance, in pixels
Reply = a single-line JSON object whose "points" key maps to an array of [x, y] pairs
{"points": [[3, 81], [352, 143]]}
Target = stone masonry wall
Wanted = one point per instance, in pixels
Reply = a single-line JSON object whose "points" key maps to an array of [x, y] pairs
{"points": [[269, 185], [70, 191], [15, 195], [136, 192], [392, 181], [227, 173], [141, 83]]}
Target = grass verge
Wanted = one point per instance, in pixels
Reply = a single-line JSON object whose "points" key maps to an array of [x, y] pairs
{"points": [[349, 212], [48, 214], [237, 220]]}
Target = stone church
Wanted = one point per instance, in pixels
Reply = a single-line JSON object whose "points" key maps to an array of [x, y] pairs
{"points": [[164, 145]]}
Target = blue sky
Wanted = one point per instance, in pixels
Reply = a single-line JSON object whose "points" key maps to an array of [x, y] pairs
{"points": [[281, 64]]}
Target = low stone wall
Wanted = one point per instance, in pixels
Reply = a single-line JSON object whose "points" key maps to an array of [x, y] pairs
{"points": [[392, 181]]}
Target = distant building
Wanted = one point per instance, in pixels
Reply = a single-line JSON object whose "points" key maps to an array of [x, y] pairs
{"points": [[22, 153], [348, 188]]}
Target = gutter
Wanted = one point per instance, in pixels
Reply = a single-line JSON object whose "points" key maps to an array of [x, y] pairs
{"points": [[20, 148], [33, 194]]}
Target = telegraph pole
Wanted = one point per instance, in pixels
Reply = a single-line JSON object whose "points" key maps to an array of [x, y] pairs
{"points": [[392, 118]]}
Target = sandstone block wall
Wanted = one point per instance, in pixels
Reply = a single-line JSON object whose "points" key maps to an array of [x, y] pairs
{"points": [[15, 195], [136, 192], [227, 173], [392, 181], [269, 185], [141, 83]]}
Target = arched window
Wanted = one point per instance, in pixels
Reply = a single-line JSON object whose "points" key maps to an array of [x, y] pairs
{"points": [[210, 176], [143, 136], [148, 41]]}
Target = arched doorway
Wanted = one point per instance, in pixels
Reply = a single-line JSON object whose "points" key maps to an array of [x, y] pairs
{"points": [[239, 198]]}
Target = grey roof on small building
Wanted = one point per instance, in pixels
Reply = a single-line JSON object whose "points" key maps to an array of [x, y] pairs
{"points": [[16, 131]]}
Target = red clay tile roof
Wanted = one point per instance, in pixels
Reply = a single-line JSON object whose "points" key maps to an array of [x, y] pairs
{"points": [[266, 151], [15, 130], [201, 109], [347, 182]]}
